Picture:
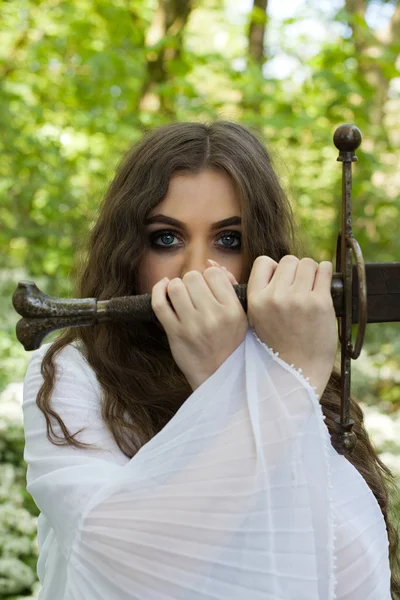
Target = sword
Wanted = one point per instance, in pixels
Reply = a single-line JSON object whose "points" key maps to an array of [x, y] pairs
{"points": [[361, 293]]}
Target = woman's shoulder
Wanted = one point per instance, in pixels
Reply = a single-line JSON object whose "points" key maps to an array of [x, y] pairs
{"points": [[71, 358], [73, 352]]}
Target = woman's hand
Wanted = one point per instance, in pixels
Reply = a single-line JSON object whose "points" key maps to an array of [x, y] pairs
{"points": [[290, 307], [205, 324]]}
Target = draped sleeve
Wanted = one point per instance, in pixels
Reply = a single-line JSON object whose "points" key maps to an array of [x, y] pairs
{"points": [[240, 496]]}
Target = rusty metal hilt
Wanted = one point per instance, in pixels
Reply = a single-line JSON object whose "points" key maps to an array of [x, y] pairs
{"points": [[347, 138]]}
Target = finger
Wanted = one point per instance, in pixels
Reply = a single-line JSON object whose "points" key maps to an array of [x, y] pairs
{"points": [[230, 276], [261, 274], [220, 285], [323, 278], [196, 294], [181, 297], [305, 275], [285, 273], [210, 289], [160, 304]]}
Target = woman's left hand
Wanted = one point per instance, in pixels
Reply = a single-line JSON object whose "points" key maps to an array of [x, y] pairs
{"points": [[290, 307]]}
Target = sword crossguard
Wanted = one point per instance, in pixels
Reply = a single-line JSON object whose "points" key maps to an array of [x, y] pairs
{"points": [[347, 138], [362, 293]]}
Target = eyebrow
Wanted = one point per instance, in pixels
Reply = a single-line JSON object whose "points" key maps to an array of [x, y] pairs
{"points": [[171, 221]]}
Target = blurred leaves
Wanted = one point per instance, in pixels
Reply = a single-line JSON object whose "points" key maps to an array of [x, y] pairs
{"points": [[74, 95], [81, 81]]}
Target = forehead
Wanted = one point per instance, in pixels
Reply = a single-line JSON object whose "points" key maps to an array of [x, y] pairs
{"points": [[208, 192]]}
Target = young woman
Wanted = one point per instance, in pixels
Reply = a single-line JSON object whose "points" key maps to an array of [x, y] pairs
{"points": [[192, 459]]}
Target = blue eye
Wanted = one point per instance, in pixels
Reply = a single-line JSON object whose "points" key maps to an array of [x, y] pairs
{"points": [[233, 235]]}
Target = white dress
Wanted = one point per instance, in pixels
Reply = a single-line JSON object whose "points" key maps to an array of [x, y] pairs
{"points": [[241, 496]]}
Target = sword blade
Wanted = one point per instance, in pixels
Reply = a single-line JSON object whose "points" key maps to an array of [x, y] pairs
{"points": [[383, 292]]}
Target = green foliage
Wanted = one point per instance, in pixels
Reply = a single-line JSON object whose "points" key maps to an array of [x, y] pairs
{"points": [[81, 81]]}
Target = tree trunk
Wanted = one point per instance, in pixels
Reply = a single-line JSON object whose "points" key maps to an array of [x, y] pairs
{"points": [[170, 19], [253, 97], [367, 50], [257, 31]]}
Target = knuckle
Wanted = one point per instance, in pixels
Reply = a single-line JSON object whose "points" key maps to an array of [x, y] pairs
{"points": [[157, 306], [275, 301], [253, 310], [175, 283], [210, 325], [258, 303], [289, 258], [191, 276], [233, 314], [298, 303], [263, 259], [252, 300], [309, 261], [212, 271], [156, 286]]}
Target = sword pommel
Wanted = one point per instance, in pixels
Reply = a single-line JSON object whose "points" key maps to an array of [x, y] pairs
{"points": [[347, 138]]}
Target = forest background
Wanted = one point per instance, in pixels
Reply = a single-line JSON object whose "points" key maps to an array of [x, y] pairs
{"points": [[81, 80]]}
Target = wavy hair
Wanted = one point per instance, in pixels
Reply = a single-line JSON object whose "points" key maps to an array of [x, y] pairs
{"points": [[142, 386]]}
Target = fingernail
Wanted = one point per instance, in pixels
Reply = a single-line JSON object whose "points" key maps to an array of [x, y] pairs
{"points": [[228, 273], [165, 280], [213, 263]]}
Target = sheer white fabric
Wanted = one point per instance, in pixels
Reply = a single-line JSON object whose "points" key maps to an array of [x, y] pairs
{"points": [[240, 497]]}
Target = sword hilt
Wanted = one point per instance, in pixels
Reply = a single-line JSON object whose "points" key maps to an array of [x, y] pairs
{"points": [[43, 314], [347, 138]]}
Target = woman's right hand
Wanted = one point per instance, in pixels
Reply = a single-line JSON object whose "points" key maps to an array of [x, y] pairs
{"points": [[205, 324], [291, 309]]}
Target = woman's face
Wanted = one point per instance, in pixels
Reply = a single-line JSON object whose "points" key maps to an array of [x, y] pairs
{"points": [[198, 201]]}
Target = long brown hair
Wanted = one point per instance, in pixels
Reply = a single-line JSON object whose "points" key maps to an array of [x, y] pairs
{"points": [[142, 387]]}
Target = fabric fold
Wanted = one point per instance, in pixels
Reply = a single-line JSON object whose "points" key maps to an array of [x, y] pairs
{"points": [[232, 499]]}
